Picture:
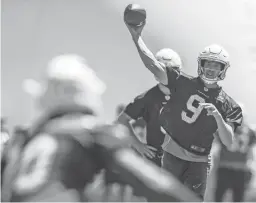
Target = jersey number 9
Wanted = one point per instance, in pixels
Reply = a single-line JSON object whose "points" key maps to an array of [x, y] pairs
{"points": [[195, 110]]}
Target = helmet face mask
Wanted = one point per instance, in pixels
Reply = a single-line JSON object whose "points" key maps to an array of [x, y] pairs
{"points": [[213, 63], [211, 71]]}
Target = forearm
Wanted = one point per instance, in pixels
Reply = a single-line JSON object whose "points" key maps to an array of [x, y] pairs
{"points": [[150, 61], [126, 122], [146, 55], [132, 133], [225, 131]]}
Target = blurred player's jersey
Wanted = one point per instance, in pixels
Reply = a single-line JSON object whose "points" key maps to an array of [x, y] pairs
{"points": [[231, 168], [63, 155], [186, 121], [55, 153]]}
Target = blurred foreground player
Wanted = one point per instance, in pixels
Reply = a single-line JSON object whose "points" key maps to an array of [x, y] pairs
{"points": [[147, 106], [198, 111], [54, 157], [114, 183], [139, 125], [68, 146], [11, 155]]}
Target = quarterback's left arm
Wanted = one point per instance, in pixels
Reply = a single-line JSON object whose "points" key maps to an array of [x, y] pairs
{"points": [[227, 125], [225, 130]]}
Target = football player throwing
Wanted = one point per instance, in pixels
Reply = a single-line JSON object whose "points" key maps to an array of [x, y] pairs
{"points": [[198, 110]]}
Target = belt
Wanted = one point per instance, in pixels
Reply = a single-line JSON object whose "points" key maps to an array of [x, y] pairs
{"points": [[159, 153]]}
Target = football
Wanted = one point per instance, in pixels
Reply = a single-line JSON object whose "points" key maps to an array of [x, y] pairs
{"points": [[134, 14]]}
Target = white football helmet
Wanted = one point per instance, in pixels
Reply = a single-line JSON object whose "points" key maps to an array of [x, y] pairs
{"points": [[169, 58], [68, 81], [213, 53]]}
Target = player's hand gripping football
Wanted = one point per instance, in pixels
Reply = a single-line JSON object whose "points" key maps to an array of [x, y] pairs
{"points": [[135, 19], [211, 109], [135, 30]]}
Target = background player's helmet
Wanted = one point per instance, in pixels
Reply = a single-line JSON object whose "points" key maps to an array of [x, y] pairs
{"points": [[69, 81], [169, 58], [213, 53]]}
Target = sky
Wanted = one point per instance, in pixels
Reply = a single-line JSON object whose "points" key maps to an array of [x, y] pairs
{"points": [[34, 31]]}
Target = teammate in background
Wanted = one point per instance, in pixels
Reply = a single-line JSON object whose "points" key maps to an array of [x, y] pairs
{"points": [[250, 195], [232, 167], [147, 106], [233, 171], [68, 146], [198, 111]]}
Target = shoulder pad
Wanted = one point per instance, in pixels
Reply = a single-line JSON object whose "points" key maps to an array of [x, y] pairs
{"points": [[223, 97], [228, 103], [142, 94]]}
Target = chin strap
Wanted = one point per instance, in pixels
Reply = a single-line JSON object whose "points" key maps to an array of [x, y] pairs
{"points": [[208, 81]]}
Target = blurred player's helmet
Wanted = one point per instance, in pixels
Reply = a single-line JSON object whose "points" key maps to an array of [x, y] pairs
{"points": [[70, 81], [214, 53], [169, 58]]}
